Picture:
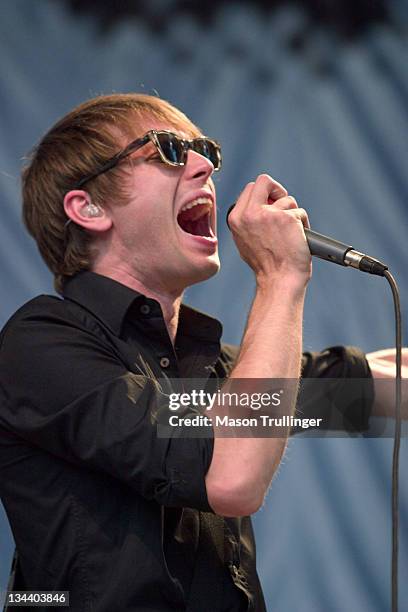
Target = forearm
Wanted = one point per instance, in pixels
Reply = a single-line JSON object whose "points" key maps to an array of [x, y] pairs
{"points": [[272, 342], [268, 230], [243, 467]]}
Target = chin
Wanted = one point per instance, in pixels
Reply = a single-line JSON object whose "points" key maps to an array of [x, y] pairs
{"points": [[204, 272]]}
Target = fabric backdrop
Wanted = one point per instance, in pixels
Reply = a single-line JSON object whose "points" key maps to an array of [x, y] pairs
{"points": [[329, 121]]}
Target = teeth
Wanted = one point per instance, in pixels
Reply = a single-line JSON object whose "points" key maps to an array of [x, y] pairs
{"points": [[196, 203]]}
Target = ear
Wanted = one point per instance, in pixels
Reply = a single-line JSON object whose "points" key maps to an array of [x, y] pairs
{"points": [[79, 208]]}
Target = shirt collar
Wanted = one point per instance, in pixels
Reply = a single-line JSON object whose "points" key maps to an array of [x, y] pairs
{"points": [[110, 302]]}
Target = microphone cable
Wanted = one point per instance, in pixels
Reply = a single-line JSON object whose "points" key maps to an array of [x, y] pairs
{"points": [[397, 441]]}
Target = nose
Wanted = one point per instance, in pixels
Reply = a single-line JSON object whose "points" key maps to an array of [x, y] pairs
{"points": [[198, 166]]}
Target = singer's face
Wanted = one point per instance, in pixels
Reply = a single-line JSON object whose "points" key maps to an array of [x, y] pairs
{"points": [[166, 232]]}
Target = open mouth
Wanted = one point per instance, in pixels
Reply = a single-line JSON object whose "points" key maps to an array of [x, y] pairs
{"points": [[195, 218]]}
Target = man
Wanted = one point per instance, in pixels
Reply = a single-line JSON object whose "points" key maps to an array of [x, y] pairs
{"points": [[120, 200]]}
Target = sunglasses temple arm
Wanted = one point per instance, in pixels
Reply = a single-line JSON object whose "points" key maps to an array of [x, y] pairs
{"points": [[131, 148]]}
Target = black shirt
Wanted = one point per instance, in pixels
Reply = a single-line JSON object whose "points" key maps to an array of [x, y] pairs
{"points": [[99, 504]]}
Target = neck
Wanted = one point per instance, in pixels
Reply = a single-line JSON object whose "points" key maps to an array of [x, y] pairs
{"points": [[169, 302]]}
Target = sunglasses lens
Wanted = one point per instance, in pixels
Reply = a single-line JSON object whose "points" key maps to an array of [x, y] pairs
{"points": [[172, 147], [208, 149]]}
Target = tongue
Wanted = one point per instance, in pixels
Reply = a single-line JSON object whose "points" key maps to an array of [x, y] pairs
{"points": [[193, 221], [201, 227]]}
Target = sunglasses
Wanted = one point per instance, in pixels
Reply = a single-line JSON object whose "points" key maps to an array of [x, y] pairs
{"points": [[172, 149]]}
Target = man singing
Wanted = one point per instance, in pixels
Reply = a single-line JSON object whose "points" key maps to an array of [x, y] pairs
{"points": [[120, 200]]}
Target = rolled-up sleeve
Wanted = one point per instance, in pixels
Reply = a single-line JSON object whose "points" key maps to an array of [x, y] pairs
{"points": [[336, 387]]}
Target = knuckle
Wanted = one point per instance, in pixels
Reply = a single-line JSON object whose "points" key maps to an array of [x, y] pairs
{"points": [[233, 225], [246, 217], [280, 189], [233, 220], [249, 186], [245, 193], [286, 217], [265, 179], [291, 201], [273, 217]]}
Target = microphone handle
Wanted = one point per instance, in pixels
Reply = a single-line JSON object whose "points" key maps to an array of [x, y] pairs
{"points": [[342, 254], [327, 248]]}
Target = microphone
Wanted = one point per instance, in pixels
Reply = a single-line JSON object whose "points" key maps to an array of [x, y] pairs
{"points": [[337, 252]]}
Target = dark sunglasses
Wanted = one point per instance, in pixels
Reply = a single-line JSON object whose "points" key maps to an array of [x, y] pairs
{"points": [[171, 148]]}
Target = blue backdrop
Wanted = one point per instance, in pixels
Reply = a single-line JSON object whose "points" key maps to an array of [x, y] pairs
{"points": [[330, 123]]}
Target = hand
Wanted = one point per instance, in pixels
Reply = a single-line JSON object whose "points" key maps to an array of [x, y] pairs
{"points": [[382, 365], [267, 226]]}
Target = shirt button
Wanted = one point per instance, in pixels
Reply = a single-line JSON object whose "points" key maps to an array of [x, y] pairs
{"points": [[234, 570], [145, 309], [164, 362]]}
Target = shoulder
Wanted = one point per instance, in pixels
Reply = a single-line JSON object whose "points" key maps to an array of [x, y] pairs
{"points": [[53, 350], [48, 318], [40, 308]]}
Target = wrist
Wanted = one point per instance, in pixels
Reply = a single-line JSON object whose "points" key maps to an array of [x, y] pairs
{"points": [[292, 286]]}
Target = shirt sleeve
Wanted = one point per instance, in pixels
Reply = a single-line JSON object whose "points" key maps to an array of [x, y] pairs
{"points": [[65, 391], [336, 387]]}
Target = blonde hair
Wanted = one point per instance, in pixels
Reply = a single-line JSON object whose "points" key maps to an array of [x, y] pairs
{"points": [[74, 147]]}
